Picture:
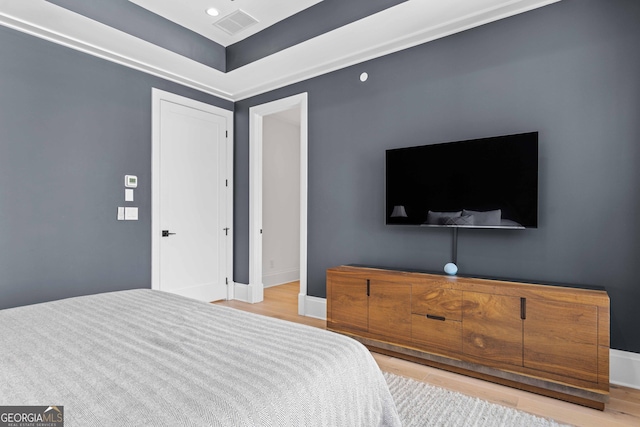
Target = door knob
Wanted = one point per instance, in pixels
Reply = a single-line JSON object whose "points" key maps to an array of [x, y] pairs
{"points": [[165, 233]]}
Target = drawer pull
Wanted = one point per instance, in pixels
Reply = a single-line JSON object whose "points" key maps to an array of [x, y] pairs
{"points": [[431, 316]]}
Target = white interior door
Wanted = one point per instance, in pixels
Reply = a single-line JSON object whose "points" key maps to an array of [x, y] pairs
{"points": [[192, 197]]}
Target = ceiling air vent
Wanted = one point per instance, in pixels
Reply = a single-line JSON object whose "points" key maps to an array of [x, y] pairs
{"points": [[235, 22]]}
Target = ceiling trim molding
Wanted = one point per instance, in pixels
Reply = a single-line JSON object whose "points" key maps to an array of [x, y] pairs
{"points": [[170, 66], [139, 22], [401, 43], [100, 52], [314, 21]]}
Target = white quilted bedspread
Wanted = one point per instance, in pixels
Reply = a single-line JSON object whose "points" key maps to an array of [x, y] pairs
{"points": [[148, 358]]}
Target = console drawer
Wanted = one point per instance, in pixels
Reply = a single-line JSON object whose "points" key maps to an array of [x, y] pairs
{"points": [[444, 335]]}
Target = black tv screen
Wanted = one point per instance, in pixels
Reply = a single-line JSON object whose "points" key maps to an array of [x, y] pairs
{"points": [[480, 183]]}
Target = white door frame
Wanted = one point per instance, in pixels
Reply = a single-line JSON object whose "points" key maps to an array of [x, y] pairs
{"points": [[157, 96], [256, 116]]}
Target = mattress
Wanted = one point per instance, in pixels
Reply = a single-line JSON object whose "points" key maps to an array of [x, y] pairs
{"points": [[149, 358]]}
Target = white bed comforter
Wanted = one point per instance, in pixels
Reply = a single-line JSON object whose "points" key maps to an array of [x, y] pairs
{"points": [[148, 358]]}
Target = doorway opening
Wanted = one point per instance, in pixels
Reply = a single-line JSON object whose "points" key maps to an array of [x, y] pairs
{"points": [[280, 119], [281, 198]]}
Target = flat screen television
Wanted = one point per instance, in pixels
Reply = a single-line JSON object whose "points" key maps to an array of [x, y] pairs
{"points": [[480, 183]]}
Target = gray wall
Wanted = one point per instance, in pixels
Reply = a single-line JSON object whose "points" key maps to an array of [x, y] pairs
{"points": [[570, 71], [71, 127]]}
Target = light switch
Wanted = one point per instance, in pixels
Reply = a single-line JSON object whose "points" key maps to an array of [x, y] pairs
{"points": [[130, 214], [120, 213], [128, 194]]}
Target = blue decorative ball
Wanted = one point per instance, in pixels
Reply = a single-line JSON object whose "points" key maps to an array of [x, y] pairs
{"points": [[450, 268]]}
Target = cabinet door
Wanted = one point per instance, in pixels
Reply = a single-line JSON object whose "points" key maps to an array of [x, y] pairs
{"points": [[390, 309], [561, 338], [349, 303], [492, 327]]}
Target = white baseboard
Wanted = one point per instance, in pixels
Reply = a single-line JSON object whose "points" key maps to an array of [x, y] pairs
{"points": [[302, 303], [280, 277], [315, 307], [247, 293], [624, 368], [241, 292]]}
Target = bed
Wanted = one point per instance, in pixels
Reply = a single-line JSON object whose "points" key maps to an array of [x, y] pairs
{"points": [[144, 357]]}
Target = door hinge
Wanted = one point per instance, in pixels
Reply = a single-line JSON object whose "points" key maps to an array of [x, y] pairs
{"points": [[226, 134], [226, 182], [226, 280]]}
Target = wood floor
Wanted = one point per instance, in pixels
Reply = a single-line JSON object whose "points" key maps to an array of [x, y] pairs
{"points": [[623, 408]]}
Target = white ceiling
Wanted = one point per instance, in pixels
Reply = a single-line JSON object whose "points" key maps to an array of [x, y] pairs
{"points": [[191, 14], [399, 27]]}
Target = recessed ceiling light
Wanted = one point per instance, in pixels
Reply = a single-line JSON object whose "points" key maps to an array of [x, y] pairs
{"points": [[212, 11]]}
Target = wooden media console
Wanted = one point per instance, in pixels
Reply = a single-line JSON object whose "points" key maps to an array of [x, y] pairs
{"points": [[551, 340]]}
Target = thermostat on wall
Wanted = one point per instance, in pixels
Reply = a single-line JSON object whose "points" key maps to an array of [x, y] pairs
{"points": [[130, 181]]}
